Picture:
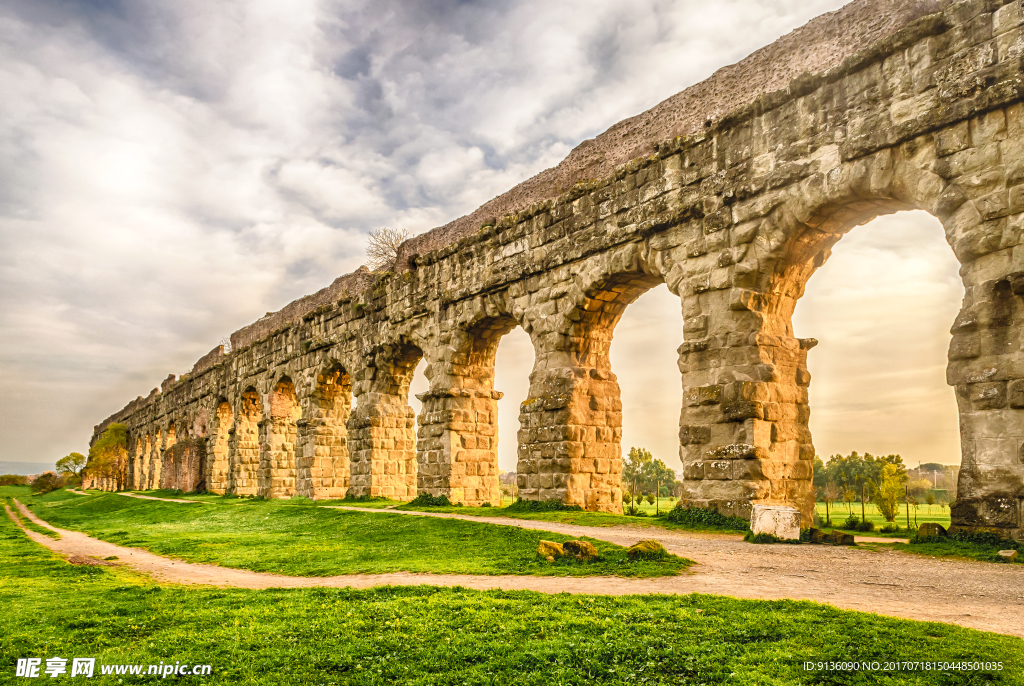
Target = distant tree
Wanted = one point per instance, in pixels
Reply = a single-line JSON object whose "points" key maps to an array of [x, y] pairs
{"points": [[887, 491], [930, 499], [647, 472], [830, 494], [13, 480], [820, 474], [382, 247], [71, 464], [849, 497], [650, 498]]}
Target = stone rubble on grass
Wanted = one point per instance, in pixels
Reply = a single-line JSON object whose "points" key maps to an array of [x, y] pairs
{"points": [[550, 550], [581, 550], [646, 550]]}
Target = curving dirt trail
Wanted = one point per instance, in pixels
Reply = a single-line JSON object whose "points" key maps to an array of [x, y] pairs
{"points": [[979, 595]]}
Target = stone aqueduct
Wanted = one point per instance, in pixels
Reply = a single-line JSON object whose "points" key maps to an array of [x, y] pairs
{"points": [[732, 193]]}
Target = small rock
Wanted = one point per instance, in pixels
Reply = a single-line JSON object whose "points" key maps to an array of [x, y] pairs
{"points": [[647, 550], [550, 558], [840, 538], [581, 550], [931, 530], [818, 536], [550, 549], [1008, 555]]}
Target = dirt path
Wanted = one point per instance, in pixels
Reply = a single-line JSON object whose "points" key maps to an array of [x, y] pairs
{"points": [[972, 594]]}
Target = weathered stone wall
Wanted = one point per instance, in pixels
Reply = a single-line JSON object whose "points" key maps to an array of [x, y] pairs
{"points": [[733, 217]]}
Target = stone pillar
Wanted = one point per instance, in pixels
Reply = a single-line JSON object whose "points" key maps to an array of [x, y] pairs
{"points": [[986, 367], [743, 426], [323, 462], [571, 424], [457, 448], [219, 448], [165, 473], [279, 435], [381, 428], [382, 435], [244, 446], [457, 445], [570, 440]]}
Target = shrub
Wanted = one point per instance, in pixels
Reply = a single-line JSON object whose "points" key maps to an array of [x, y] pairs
{"points": [[851, 522], [46, 482], [986, 538], [650, 498], [13, 480], [890, 528], [521, 505], [866, 525], [704, 516], [427, 500]]}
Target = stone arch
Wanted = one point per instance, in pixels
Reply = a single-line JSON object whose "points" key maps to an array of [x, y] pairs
{"points": [[279, 435], [323, 462], [244, 445], [219, 447], [457, 449], [381, 428], [572, 422], [758, 448]]}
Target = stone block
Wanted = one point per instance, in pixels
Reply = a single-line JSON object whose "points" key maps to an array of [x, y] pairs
{"points": [[931, 530], [781, 521]]}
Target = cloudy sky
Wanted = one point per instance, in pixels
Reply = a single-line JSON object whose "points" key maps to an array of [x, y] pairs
{"points": [[172, 170]]}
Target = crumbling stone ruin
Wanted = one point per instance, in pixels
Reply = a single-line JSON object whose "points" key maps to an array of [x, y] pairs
{"points": [[732, 193]]}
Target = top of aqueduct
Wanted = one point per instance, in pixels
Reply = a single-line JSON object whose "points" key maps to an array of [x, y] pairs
{"points": [[835, 41]]}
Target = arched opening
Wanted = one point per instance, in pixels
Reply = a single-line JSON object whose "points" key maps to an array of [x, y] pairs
{"points": [[881, 309], [572, 422], [382, 428], [145, 455], [323, 465], [244, 456], [513, 363], [217, 466], [276, 477], [644, 355], [458, 436]]}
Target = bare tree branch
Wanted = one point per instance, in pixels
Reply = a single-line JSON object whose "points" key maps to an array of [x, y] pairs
{"points": [[382, 247]]}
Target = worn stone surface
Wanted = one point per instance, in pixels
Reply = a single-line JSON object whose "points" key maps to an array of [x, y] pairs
{"points": [[550, 550], [648, 549], [732, 193], [781, 521], [581, 550]]}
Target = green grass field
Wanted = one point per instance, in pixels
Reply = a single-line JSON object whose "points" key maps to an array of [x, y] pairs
{"points": [[454, 637], [924, 513], [298, 537]]}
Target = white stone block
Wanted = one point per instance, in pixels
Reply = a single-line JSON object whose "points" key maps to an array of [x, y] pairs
{"points": [[781, 521]]}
